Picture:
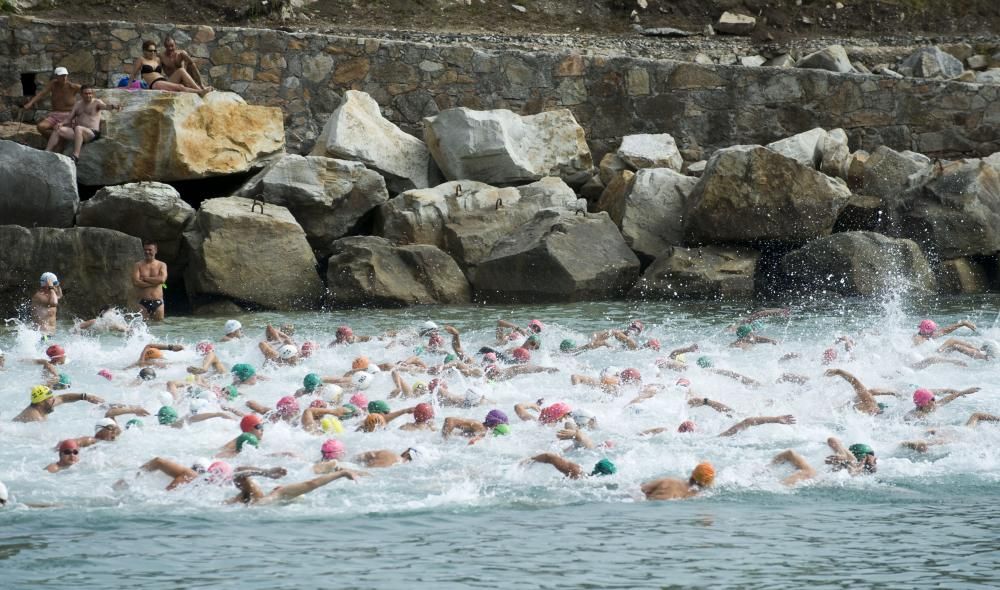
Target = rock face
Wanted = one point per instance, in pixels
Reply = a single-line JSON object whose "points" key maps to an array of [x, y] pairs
{"points": [[858, 263], [888, 173], [357, 131], [258, 260], [813, 147], [750, 193], [94, 266], [166, 136], [500, 147], [367, 270], [930, 62], [558, 256], [146, 210], [962, 276], [833, 58], [651, 212], [328, 197], [953, 212], [709, 272], [36, 188], [650, 151], [735, 24]]}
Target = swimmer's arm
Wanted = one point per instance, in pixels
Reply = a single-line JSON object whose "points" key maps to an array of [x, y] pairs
{"points": [[522, 411], [567, 468], [803, 470], [271, 473], [841, 454], [50, 369], [393, 415], [401, 384], [758, 421], [456, 342], [793, 378], [981, 417], [764, 340], [78, 397], [957, 394], [122, 410], [651, 431], [625, 339], [208, 416], [86, 441], [860, 390], [579, 438], [882, 392], [704, 401], [258, 407], [737, 377], [949, 329], [766, 313], [679, 351], [936, 360], [643, 397]]}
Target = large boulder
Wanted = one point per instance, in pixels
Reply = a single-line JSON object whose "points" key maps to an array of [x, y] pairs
{"points": [[962, 276], [833, 58], [558, 256], [501, 147], [809, 148], [36, 188], [858, 263], [358, 131], [953, 211], [888, 173], [167, 136], [647, 150], [329, 198], [255, 259], [699, 273], [650, 213], [146, 210], [930, 62], [732, 23], [368, 270], [753, 194], [94, 266]]}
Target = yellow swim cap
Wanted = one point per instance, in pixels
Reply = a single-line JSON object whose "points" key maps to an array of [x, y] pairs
{"points": [[40, 393], [331, 425]]}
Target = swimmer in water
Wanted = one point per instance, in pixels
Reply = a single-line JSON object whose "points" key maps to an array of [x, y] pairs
{"points": [[423, 419], [152, 355], [345, 335], [573, 470], [251, 494], [989, 351], [926, 401], [232, 330], [385, 458], [43, 403], [737, 428], [473, 428], [45, 304], [858, 459], [746, 338], [668, 488], [69, 455], [181, 475], [108, 319], [864, 400], [286, 353], [928, 330], [209, 360]]}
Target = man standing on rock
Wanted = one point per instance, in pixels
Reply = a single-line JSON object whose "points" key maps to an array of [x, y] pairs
{"points": [[63, 98], [45, 304], [149, 277], [173, 60]]}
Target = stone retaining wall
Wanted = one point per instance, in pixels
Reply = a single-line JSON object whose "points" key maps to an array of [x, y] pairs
{"points": [[702, 106]]}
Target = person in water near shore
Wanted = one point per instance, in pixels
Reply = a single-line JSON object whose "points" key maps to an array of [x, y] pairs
{"points": [[929, 330], [251, 493], [668, 488], [45, 304], [43, 403], [573, 470], [69, 455], [149, 277]]}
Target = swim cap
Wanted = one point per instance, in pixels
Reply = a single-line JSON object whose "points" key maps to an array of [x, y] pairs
{"points": [[311, 382], [686, 426], [167, 415], [922, 397], [134, 423], [334, 392], [201, 464], [704, 362], [521, 354], [360, 363], [360, 400], [104, 423], [231, 392], [567, 345], [250, 422], [378, 407], [288, 406], [927, 328], [55, 351], [501, 430], [419, 387], [494, 418], [307, 348], [232, 326], [534, 341], [604, 467], [435, 340], [373, 369], [106, 374], [362, 380], [450, 358], [829, 355], [332, 449], [204, 347], [331, 425], [68, 445], [4, 494], [536, 325], [860, 451], [554, 412], [152, 353], [243, 371], [48, 276], [428, 327], [581, 417], [490, 357], [743, 331], [219, 472], [372, 422], [990, 348], [636, 326], [703, 474], [147, 374], [683, 382], [423, 412], [353, 409], [491, 371], [246, 439], [40, 393], [654, 344], [344, 332], [65, 380], [287, 351], [630, 376]]}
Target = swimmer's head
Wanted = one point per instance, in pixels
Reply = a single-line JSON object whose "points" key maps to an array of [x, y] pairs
{"points": [[704, 362], [683, 382], [287, 352], [653, 343], [373, 422], [232, 326], [435, 340], [360, 363], [604, 467], [47, 278], [495, 418], [65, 381], [147, 374], [743, 331], [105, 424], [288, 407], [536, 326], [360, 400], [450, 358], [490, 357], [311, 382], [927, 328], [521, 354], [106, 374], [829, 355], [703, 475], [246, 439], [630, 375], [501, 430], [251, 423], [686, 426], [55, 352], [331, 425], [553, 413], [923, 398], [583, 418], [40, 393], [567, 345], [166, 415], [134, 423], [352, 410], [428, 327], [378, 407], [423, 412], [362, 380], [201, 465], [860, 451], [308, 347], [344, 334], [152, 354], [533, 342], [332, 449], [219, 472], [317, 403], [243, 372]]}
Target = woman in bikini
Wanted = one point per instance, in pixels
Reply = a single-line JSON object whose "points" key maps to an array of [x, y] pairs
{"points": [[149, 67]]}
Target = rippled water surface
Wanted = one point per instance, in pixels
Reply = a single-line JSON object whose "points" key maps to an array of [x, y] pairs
{"points": [[473, 516]]}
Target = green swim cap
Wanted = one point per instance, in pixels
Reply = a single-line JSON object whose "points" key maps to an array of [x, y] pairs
{"points": [[704, 362], [860, 451], [882, 406], [604, 467], [378, 407], [311, 382], [243, 371], [246, 439], [743, 331], [418, 350], [567, 345], [534, 340], [134, 423], [64, 379], [501, 430], [353, 409], [450, 358], [231, 392], [167, 415]]}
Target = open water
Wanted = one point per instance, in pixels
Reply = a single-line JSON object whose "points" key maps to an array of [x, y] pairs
{"points": [[473, 516]]}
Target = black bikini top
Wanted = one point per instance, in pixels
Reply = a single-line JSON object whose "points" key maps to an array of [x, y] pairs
{"points": [[145, 69]]}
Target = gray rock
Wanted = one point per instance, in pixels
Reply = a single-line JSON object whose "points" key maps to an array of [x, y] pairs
{"points": [[752, 61], [94, 266], [887, 173], [859, 263], [329, 198], [833, 59], [255, 259], [611, 165], [36, 188], [930, 62], [501, 147], [886, 71], [666, 32], [750, 193], [371, 271], [834, 154], [978, 62], [650, 151], [991, 76], [962, 276], [650, 213], [781, 61], [592, 189], [697, 168], [731, 23], [802, 147], [146, 210], [541, 261], [699, 273]]}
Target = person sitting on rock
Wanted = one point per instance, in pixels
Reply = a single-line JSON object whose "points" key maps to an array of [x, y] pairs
{"points": [[174, 59], [150, 68], [63, 94], [83, 124]]}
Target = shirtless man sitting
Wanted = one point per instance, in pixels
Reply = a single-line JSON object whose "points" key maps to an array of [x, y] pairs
{"points": [[63, 98], [83, 124], [173, 59], [148, 277], [45, 304]]}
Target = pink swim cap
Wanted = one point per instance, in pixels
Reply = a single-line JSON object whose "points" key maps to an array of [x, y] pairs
{"points": [[106, 374], [359, 400], [435, 340], [927, 328], [219, 472], [317, 403], [653, 343], [332, 449], [829, 355], [684, 382], [686, 426], [521, 354], [204, 347], [554, 412], [288, 406], [307, 348], [490, 357], [630, 375], [922, 397], [536, 325], [423, 412]]}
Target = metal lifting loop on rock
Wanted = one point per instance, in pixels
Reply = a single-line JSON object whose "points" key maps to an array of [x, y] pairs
{"points": [[499, 204], [581, 212], [253, 206]]}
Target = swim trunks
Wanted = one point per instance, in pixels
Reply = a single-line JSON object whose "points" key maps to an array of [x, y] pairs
{"points": [[150, 305], [57, 118]]}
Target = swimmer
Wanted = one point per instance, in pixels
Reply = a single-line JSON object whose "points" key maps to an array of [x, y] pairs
{"points": [[573, 470], [43, 403], [6, 500], [286, 353], [108, 319], [547, 415], [473, 428], [423, 419], [609, 380], [233, 330], [45, 304], [928, 330], [740, 426], [702, 477], [495, 373], [859, 459], [345, 335], [330, 452], [107, 429], [803, 471], [630, 343], [987, 352], [244, 374], [152, 355], [181, 475], [758, 315], [746, 338], [252, 425], [69, 455], [209, 360], [385, 458], [576, 435], [926, 401], [864, 400], [251, 494]]}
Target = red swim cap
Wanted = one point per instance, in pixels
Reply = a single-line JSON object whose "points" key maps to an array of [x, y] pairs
{"points": [[344, 332], [554, 412], [423, 412], [521, 354], [654, 344], [250, 422], [68, 445], [307, 348], [829, 355], [686, 426], [435, 340], [55, 351], [204, 347], [317, 403], [630, 376], [434, 384], [288, 406]]}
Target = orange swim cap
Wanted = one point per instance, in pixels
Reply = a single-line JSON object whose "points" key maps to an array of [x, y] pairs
{"points": [[153, 353], [703, 474], [360, 363], [373, 422]]}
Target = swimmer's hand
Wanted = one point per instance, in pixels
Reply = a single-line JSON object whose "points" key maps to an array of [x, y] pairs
{"points": [[786, 419], [93, 399], [968, 325], [451, 330], [276, 472], [566, 434], [353, 475], [833, 372]]}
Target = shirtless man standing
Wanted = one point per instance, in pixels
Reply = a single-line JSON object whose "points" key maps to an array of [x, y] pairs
{"points": [[173, 60], [83, 124], [45, 304], [148, 276], [63, 98]]}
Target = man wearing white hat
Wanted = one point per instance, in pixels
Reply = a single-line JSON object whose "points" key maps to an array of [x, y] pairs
{"points": [[63, 99], [45, 303]]}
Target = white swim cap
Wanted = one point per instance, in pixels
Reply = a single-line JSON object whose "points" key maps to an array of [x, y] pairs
{"points": [[362, 380], [373, 369], [198, 405], [165, 399], [231, 326], [60, 71], [582, 417], [287, 351], [4, 494], [201, 465], [104, 423], [48, 276], [428, 327], [334, 390]]}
